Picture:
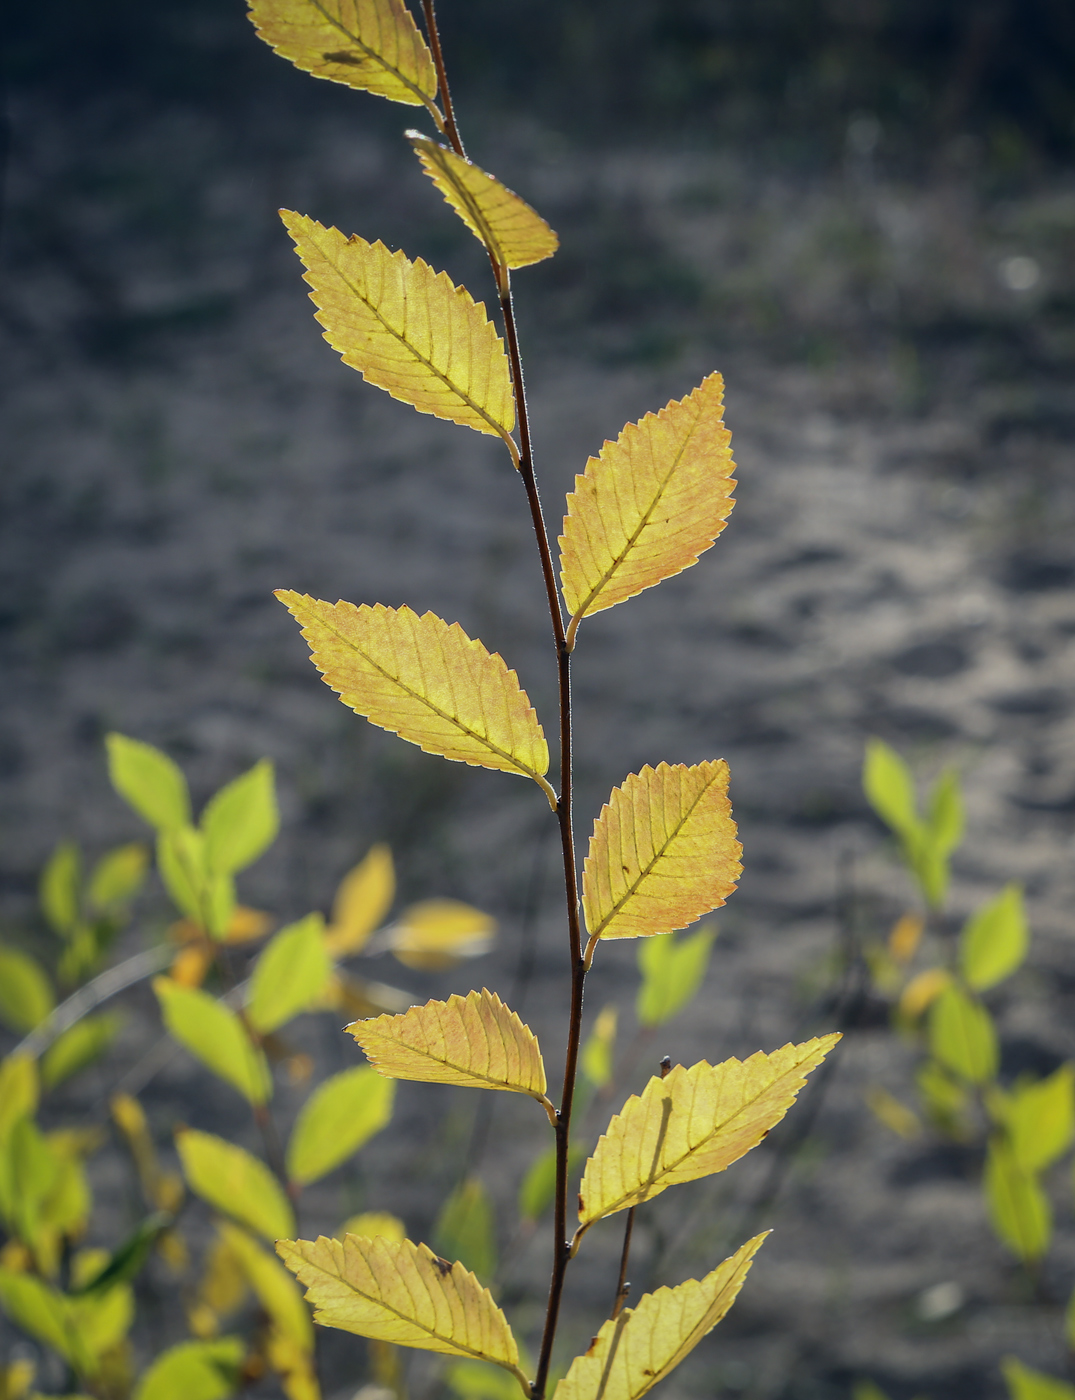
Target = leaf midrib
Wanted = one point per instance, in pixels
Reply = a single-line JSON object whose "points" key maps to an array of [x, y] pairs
{"points": [[423, 99]]}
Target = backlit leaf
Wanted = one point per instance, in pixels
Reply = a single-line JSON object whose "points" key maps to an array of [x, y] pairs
{"points": [[370, 44], [363, 899], [905, 937], [889, 789], [58, 891], [149, 781], [892, 1113], [692, 1123], [118, 876], [663, 852], [26, 996], [338, 1118], [994, 940], [78, 1047], [465, 1229], [271, 1284], [426, 681], [514, 234], [406, 328], [215, 1035], [400, 1293], [634, 1351], [1040, 1119], [436, 934], [206, 1370], [649, 504], [477, 1380], [672, 971], [236, 1183], [241, 821], [1027, 1384], [374, 1222], [474, 1041], [922, 991], [18, 1091], [290, 975], [1018, 1208], [46, 1315], [595, 1057], [205, 896], [962, 1036], [938, 837]]}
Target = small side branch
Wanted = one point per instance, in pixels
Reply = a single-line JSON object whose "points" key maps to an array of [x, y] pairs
{"points": [[623, 1287]]}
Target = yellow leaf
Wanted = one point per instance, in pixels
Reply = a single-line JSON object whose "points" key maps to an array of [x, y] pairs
{"points": [[406, 328], [289, 976], [363, 899], [271, 1283], [692, 1123], [370, 44], [401, 1293], [233, 1181], [905, 937], [19, 1091], [340, 1116], [649, 504], [663, 852], [214, 1035], [634, 1351], [426, 681], [374, 1222], [474, 1041], [922, 991], [1027, 1384], [513, 232], [294, 1365], [437, 933], [895, 1115]]}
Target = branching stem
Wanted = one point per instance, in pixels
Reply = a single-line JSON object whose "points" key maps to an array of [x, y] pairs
{"points": [[623, 1287]]}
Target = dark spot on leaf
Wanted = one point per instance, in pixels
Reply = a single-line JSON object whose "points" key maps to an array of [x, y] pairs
{"points": [[648, 1373], [342, 56], [593, 1343], [581, 1206], [442, 1264]]}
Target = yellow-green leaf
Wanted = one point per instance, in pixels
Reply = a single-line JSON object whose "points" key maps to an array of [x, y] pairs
{"points": [[436, 934], [672, 971], [241, 821], [206, 896], [474, 1041], [465, 1229], [338, 1118], [1027, 1384], [962, 1036], [45, 1314], [889, 788], [374, 1222], [369, 44], [79, 1046], [19, 1091], [994, 940], [539, 1184], [236, 1183], [59, 888], [649, 504], [692, 1123], [634, 1351], [595, 1057], [1018, 1208], [26, 996], [214, 1035], [663, 852], [194, 1371], [290, 975], [406, 328], [426, 681], [363, 899], [513, 232], [272, 1285], [149, 781], [400, 1293], [1040, 1119], [118, 876]]}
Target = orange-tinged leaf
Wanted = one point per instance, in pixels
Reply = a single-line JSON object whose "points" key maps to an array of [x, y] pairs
{"points": [[436, 934], [403, 1293], [363, 899], [634, 1351], [513, 232], [406, 328], [369, 44], [473, 1040], [692, 1123], [649, 504], [426, 681], [663, 852]]}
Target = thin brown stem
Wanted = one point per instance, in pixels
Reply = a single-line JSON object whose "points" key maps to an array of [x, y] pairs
{"points": [[623, 1287], [451, 130]]}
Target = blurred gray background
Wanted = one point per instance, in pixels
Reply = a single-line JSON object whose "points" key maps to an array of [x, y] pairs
{"points": [[863, 214]]}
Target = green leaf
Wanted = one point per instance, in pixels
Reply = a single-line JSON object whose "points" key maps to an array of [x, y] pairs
{"points": [[889, 789], [205, 897], [234, 1182], [241, 821], [539, 1183], [1040, 1119], [79, 1045], [194, 1371], [149, 781], [867, 1390], [465, 1229], [1025, 1384], [26, 996], [216, 1036], [18, 1091], [118, 876], [102, 1320], [994, 940], [944, 814], [290, 975], [1018, 1208], [340, 1116], [59, 888], [595, 1058], [672, 972], [29, 1172], [129, 1257], [944, 1099], [481, 1380], [962, 1036], [45, 1314]]}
